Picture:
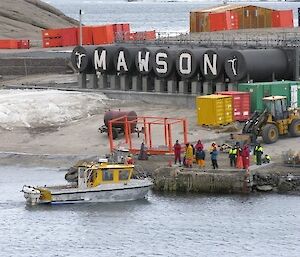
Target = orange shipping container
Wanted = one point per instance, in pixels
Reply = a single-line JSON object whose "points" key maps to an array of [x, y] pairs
{"points": [[9, 44], [103, 35], [69, 36], [52, 42], [125, 27], [145, 35], [87, 35], [51, 33], [282, 19], [24, 44], [150, 35], [118, 31], [129, 36], [223, 21], [117, 27]]}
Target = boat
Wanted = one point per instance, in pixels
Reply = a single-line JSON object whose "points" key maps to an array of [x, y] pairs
{"points": [[95, 182]]}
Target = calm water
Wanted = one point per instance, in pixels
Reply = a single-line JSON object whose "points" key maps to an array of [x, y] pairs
{"points": [[161, 15], [190, 225]]}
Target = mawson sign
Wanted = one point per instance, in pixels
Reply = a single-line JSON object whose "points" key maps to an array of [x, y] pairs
{"points": [[189, 64]]}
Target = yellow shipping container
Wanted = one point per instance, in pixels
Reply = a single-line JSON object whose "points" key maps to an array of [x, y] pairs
{"points": [[214, 110]]}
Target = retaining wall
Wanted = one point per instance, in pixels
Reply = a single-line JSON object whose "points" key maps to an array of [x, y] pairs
{"points": [[29, 66], [185, 180]]}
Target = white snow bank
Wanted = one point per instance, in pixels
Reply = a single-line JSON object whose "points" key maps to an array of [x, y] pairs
{"points": [[28, 108]]}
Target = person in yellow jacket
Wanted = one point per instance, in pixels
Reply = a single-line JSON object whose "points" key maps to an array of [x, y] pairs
{"points": [[232, 156], [189, 155], [258, 151]]}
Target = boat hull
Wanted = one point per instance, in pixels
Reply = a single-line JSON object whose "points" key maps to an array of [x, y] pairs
{"points": [[134, 190], [103, 196]]}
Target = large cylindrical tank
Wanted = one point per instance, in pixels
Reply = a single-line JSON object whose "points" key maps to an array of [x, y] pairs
{"points": [[110, 115], [163, 62], [81, 59], [187, 62], [143, 58], [103, 59], [124, 60], [211, 63], [256, 64]]}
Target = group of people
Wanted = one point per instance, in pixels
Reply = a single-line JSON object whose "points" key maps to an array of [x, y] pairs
{"points": [[239, 157], [195, 152]]}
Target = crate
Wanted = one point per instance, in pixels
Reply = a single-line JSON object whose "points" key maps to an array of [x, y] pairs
{"points": [[214, 110]]}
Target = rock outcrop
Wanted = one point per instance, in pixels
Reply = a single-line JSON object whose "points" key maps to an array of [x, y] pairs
{"points": [[26, 18]]}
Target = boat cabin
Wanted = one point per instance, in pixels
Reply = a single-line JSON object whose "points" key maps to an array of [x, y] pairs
{"points": [[103, 173]]}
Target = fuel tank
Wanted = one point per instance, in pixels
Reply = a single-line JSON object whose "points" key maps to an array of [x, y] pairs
{"points": [[110, 115], [256, 64]]}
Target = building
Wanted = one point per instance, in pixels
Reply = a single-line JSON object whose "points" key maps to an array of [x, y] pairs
{"points": [[233, 17]]}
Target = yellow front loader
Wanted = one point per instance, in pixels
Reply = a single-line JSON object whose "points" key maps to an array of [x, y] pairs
{"points": [[274, 121]]}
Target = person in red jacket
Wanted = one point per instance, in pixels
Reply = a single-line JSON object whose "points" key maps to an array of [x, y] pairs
{"points": [[199, 146], [177, 152], [246, 156]]}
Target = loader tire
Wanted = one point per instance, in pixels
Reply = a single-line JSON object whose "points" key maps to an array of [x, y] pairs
{"points": [[270, 134], [294, 128]]}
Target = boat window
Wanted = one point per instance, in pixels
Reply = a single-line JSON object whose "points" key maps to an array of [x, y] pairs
{"points": [[107, 175], [123, 174]]}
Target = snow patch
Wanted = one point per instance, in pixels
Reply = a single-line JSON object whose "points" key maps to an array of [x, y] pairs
{"points": [[32, 109]]}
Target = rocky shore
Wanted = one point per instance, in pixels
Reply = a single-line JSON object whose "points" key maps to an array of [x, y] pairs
{"points": [[26, 18]]}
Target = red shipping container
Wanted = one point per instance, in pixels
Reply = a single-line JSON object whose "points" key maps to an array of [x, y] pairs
{"points": [[241, 104], [51, 33], [232, 20], [217, 21], [141, 35], [129, 36], [282, 19], [52, 42], [9, 44], [24, 44], [126, 27], [69, 36], [223, 21], [87, 35], [117, 27], [150, 35], [118, 31], [103, 35]]}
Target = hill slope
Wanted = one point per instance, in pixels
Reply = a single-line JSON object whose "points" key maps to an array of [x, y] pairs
{"points": [[26, 18]]}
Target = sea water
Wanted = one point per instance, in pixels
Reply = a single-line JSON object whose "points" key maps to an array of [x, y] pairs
{"points": [[160, 15], [162, 225]]}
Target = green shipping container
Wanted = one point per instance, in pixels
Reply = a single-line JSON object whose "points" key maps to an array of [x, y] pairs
{"points": [[290, 89]]}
